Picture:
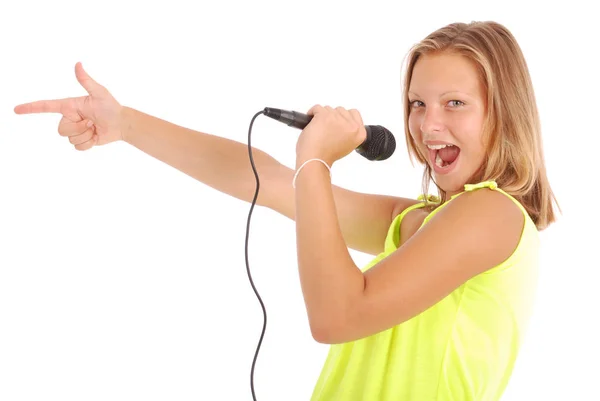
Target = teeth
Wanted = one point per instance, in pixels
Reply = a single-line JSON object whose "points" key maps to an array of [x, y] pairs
{"points": [[438, 160], [437, 147]]}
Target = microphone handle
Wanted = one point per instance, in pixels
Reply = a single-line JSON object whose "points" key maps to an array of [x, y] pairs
{"points": [[291, 118], [300, 121]]}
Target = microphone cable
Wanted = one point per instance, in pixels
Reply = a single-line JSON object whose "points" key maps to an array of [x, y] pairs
{"points": [[379, 145], [246, 251]]}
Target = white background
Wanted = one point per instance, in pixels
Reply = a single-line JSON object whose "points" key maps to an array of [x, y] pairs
{"points": [[123, 279]]}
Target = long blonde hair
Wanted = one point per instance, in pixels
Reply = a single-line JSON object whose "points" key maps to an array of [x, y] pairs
{"points": [[514, 153]]}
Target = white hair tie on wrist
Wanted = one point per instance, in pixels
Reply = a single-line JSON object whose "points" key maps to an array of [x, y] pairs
{"points": [[304, 164]]}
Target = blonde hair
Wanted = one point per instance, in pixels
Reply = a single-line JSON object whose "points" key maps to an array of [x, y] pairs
{"points": [[514, 152]]}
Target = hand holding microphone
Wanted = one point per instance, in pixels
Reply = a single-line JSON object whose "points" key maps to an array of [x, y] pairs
{"points": [[335, 133]]}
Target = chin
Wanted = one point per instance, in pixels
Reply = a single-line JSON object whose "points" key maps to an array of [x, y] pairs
{"points": [[451, 181], [449, 185]]}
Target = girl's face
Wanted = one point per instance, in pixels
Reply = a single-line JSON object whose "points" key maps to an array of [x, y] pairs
{"points": [[447, 111]]}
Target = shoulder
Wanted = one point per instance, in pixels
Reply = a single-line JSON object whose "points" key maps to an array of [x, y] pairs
{"points": [[487, 209], [482, 224]]}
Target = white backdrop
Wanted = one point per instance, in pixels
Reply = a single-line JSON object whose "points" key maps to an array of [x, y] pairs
{"points": [[124, 279]]}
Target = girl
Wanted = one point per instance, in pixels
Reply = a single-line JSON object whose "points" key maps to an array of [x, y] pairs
{"points": [[441, 310]]}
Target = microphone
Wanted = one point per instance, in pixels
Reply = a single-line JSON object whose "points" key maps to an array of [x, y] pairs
{"points": [[379, 145]]}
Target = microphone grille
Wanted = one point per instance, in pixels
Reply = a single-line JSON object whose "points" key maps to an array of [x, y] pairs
{"points": [[380, 143]]}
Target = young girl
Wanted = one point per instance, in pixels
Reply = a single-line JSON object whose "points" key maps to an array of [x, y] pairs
{"points": [[441, 311]]}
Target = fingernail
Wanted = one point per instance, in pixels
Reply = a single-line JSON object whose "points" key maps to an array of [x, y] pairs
{"points": [[90, 123]]}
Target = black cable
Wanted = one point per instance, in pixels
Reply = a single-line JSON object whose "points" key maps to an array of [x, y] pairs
{"points": [[247, 265]]}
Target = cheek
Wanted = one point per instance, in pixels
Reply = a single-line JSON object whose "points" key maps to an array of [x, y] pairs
{"points": [[469, 131], [471, 138], [414, 125]]}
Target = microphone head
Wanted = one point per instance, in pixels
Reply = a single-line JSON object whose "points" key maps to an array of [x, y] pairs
{"points": [[379, 145]]}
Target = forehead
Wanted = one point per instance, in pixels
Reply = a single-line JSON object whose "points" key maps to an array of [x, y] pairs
{"points": [[438, 73]]}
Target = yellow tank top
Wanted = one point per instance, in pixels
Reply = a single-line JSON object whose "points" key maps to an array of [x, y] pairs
{"points": [[462, 348]]}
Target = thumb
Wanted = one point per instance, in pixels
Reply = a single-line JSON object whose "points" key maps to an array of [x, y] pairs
{"points": [[91, 86]]}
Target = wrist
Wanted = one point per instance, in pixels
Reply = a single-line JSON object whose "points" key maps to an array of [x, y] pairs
{"points": [[125, 124], [306, 165], [302, 158]]}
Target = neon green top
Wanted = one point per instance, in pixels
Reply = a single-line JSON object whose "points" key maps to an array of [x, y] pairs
{"points": [[462, 348]]}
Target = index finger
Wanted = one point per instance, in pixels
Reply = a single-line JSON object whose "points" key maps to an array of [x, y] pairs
{"points": [[357, 117], [317, 108], [41, 106]]}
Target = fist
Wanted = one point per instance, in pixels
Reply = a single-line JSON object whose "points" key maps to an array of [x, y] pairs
{"points": [[331, 134]]}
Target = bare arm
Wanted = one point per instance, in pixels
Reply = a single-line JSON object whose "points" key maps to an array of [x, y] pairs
{"points": [[218, 162], [223, 164]]}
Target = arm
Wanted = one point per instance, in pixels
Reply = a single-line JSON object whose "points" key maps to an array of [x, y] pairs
{"points": [[223, 164], [473, 233]]}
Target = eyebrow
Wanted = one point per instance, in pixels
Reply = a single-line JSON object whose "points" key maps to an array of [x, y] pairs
{"points": [[443, 94]]}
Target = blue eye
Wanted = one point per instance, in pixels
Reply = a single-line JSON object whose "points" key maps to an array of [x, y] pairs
{"points": [[452, 103], [457, 103]]}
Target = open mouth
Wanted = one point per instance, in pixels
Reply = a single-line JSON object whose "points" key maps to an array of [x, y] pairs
{"points": [[443, 157]]}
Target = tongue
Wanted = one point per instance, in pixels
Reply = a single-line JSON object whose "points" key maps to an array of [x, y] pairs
{"points": [[449, 153]]}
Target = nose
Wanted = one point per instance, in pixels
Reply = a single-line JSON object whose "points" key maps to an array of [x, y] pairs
{"points": [[433, 121]]}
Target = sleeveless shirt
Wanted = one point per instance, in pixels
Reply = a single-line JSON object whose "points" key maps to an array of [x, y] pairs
{"points": [[462, 348]]}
